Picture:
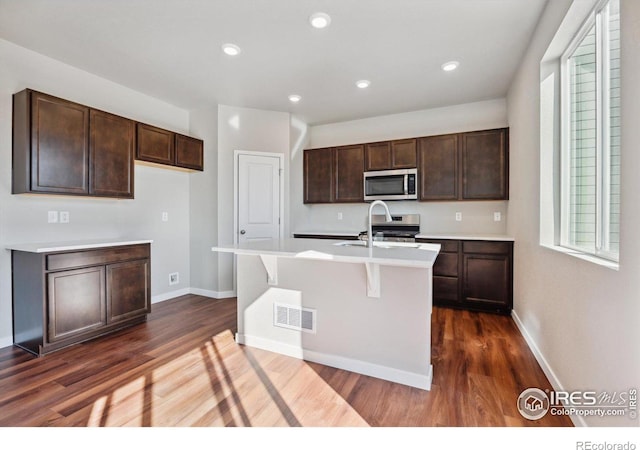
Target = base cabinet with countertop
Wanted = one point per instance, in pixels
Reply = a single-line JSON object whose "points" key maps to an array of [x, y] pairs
{"points": [[62, 297], [473, 274]]}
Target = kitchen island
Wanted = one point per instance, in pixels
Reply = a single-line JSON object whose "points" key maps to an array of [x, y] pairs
{"points": [[339, 303]]}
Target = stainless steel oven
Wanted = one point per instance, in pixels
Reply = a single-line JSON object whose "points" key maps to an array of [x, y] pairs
{"points": [[399, 184], [403, 228]]}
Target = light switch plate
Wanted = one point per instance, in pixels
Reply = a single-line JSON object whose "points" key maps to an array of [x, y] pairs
{"points": [[52, 217], [64, 216], [497, 216], [165, 216]]}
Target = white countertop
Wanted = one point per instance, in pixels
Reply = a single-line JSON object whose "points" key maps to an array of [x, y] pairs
{"points": [[458, 236], [466, 237], [330, 233], [47, 247], [401, 254]]}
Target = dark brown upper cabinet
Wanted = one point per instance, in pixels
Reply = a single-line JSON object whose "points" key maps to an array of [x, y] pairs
{"points": [[155, 145], [162, 146], [399, 154], [189, 152], [378, 156], [485, 165], [349, 174], [403, 154], [464, 166], [438, 159], [112, 145], [451, 167], [318, 175], [61, 147]]}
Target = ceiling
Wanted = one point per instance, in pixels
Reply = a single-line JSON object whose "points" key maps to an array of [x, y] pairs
{"points": [[171, 49]]}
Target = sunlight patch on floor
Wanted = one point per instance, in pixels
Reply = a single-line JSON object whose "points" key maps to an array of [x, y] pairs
{"points": [[226, 384]]}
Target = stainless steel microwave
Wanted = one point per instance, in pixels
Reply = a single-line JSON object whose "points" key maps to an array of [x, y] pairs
{"points": [[399, 184]]}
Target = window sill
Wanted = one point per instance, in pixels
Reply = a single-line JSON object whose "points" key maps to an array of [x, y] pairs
{"points": [[584, 256]]}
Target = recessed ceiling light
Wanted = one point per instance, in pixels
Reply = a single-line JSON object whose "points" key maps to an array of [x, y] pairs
{"points": [[294, 98], [363, 84], [231, 49], [449, 66], [319, 20]]}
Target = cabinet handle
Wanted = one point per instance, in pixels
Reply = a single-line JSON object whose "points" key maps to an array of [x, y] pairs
{"points": [[242, 231]]}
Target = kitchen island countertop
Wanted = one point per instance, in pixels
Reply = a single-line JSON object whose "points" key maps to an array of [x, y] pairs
{"points": [[383, 253]]}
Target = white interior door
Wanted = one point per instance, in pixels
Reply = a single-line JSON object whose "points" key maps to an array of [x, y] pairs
{"points": [[258, 197]]}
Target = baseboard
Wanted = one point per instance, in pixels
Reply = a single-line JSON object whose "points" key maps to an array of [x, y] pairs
{"points": [[213, 294], [169, 295], [195, 291], [412, 379], [578, 421]]}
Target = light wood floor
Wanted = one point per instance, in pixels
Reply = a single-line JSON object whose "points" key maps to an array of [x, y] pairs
{"points": [[183, 368]]}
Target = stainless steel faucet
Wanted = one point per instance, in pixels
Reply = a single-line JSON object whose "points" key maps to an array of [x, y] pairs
{"points": [[387, 218]]}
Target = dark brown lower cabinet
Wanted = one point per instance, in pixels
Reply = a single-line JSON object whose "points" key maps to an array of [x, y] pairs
{"points": [[474, 275], [75, 302], [62, 298]]}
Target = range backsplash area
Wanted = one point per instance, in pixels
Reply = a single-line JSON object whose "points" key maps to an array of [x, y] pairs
{"points": [[435, 217]]}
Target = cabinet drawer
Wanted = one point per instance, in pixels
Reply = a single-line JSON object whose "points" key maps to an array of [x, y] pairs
{"points": [[446, 245], [499, 248], [445, 288], [446, 265], [94, 257]]}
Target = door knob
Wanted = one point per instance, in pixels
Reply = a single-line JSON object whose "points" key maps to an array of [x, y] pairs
{"points": [[242, 231]]}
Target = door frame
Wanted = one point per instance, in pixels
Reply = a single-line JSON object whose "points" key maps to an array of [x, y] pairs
{"points": [[236, 185]]}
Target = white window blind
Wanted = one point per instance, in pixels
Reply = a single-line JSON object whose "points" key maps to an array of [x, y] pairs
{"points": [[591, 143]]}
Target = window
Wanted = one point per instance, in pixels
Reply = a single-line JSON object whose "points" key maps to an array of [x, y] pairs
{"points": [[590, 174]]}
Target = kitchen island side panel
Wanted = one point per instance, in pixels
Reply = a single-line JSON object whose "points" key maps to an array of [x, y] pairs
{"points": [[391, 332]]}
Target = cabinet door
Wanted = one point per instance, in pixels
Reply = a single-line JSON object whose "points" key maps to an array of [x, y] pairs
{"points": [[487, 281], [403, 154], [75, 302], [349, 174], [189, 152], [128, 290], [485, 168], [378, 156], [318, 175], [59, 145], [155, 144], [112, 147], [438, 156]]}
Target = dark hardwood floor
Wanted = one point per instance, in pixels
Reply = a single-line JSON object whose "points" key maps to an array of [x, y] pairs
{"points": [[183, 368]]}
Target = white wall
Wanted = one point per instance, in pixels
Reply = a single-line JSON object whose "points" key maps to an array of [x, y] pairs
{"points": [[582, 319], [436, 217], [203, 205], [23, 218], [252, 130]]}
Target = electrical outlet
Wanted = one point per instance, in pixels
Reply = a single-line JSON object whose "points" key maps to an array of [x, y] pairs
{"points": [[497, 217], [458, 217], [52, 217], [174, 278], [64, 216], [165, 216], [339, 216]]}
